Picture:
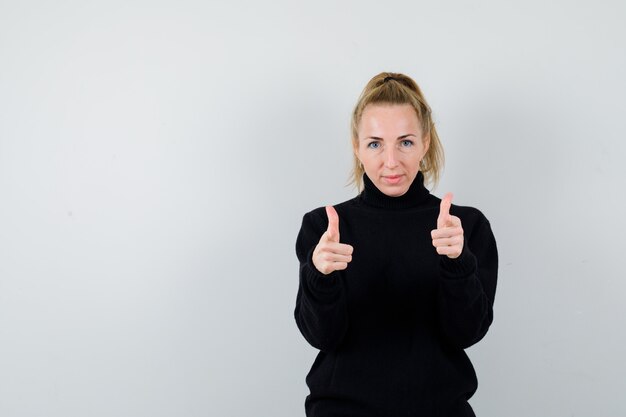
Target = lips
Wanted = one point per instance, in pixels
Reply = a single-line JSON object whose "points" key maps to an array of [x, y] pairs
{"points": [[392, 179]]}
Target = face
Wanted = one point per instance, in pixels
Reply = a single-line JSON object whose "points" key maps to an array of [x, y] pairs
{"points": [[390, 146]]}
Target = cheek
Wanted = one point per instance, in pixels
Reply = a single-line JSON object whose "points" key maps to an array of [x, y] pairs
{"points": [[363, 154], [369, 159], [364, 160]]}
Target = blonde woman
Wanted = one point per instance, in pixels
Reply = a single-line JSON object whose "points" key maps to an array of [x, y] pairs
{"points": [[394, 283]]}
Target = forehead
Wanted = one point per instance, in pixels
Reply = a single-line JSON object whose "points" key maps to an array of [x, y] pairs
{"points": [[389, 120]]}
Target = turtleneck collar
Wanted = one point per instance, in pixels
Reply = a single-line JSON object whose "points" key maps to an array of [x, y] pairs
{"points": [[415, 195]]}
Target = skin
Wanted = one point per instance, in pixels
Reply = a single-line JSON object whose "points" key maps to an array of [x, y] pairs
{"points": [[448, 236], [329, 255], [390, 146]]}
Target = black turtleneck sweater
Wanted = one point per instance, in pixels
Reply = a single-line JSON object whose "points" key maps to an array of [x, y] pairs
{"points": [[393, 326]]}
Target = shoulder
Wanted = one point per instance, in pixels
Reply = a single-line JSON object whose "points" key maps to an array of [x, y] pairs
{"points": [[318, 215], [468, 213], [472, 219]]}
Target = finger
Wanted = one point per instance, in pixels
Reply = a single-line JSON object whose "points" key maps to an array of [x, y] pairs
{"points": [[450, 251], [340, 248], [450, 241], [328, 267], [326, 238], [336, 257], [446, 232], [444, 210], [333, 224], [454, 221], [339, 266], [447, 250]]}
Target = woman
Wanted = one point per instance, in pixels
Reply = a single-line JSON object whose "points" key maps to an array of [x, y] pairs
{"points": [[394, 283]]}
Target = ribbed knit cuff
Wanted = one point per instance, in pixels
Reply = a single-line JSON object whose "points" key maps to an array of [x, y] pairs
{"points": [[461, 267]]}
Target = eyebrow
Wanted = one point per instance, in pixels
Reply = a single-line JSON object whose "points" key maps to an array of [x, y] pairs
{"points": [[399, 137]]}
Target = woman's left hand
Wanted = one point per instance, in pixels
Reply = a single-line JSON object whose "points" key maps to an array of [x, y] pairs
{"points": [[448, 236]]}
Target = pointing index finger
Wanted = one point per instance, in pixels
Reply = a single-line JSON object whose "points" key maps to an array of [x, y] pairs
{"points": [[333, 223], [444, 209]]}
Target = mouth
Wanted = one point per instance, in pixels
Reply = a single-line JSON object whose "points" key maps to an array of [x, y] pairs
{"points": [[392, 179]]}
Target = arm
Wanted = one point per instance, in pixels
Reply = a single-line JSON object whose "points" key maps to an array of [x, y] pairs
{"points": [[467, 288], [321, 309]]}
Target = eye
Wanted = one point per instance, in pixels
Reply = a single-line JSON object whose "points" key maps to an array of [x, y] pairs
{"points": [[373, 145], [406, 143]]}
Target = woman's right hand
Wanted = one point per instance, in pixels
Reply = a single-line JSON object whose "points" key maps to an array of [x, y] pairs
{"points": [[329, 255]]}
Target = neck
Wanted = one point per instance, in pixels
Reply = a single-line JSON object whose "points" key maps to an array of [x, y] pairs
{"points": [[414, 196]]}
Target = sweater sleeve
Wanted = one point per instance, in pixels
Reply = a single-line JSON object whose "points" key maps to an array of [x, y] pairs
{"points": [[321, 309], [468, 287]]}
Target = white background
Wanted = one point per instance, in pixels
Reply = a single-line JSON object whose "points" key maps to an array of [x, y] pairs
{"points": [[156, 158]]}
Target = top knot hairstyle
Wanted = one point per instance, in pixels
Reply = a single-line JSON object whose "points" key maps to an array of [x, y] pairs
{"points": [[390, 88]]}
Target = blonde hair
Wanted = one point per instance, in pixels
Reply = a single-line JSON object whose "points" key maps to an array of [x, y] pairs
{"points": [[395, 88]]}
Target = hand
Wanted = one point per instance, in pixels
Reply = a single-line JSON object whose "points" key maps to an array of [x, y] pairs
{"points": [[329, 255], [448, 237]]}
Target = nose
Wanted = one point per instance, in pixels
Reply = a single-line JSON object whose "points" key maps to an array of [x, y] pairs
{"points": [[391, 161]]}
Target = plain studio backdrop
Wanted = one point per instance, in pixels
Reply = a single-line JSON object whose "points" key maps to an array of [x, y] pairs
{"points": [[156, 158]]}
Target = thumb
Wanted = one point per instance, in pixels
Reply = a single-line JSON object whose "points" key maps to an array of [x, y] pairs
{"points": [[444, 210], [333, 224]]}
